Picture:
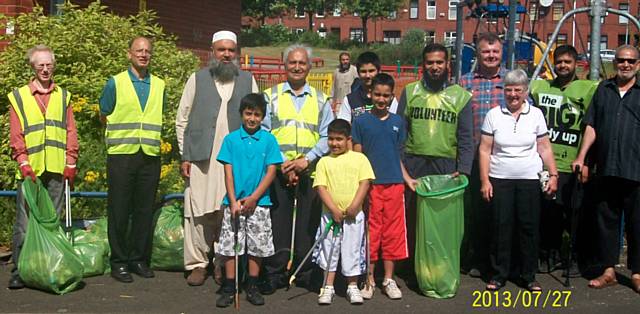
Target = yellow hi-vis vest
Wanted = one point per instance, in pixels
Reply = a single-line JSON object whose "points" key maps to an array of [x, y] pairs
{"points": [[297, 132], [128, 127], [45, 135]]}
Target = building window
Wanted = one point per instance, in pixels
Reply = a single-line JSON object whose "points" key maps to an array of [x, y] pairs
{"points": [[320, 10], [392, 37], [453, 9], [431, 10], [623, 19], [299, 31], [561, 39], [429, 36], [533, 11], [623, 39], [557, 10], [393, 15], [449, 38], [413, 9], [300, 12], [355, 34]]}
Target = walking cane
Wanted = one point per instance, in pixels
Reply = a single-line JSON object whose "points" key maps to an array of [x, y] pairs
{"points": [[324, 234], [67, 210], [293, 228], [236, 248], [576, 197], [336, 232]]}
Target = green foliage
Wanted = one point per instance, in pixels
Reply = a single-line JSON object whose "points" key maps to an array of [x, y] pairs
{"points": [[261, 9], [265, 35], [371, 9], [90, 46], [408, 51]]}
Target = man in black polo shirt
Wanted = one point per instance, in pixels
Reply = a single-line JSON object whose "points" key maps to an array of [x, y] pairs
{"points": [[613, 126]]}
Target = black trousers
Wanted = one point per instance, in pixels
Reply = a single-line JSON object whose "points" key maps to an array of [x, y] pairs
{"points": [[613, 197], [474, 252], [133, 183], [309, 207], [515, 216]]}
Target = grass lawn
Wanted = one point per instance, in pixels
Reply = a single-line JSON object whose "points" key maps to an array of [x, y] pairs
{"points": [[330, 56]]}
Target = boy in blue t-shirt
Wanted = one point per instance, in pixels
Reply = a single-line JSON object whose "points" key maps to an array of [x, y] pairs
{"points": [[250, 156], [380, 135]]}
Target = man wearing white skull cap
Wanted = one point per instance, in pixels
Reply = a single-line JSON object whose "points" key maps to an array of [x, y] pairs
{"points": [[208, 111]]}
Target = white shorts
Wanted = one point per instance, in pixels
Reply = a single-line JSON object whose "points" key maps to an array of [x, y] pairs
{"points": [[256, 228], [349, 246]]}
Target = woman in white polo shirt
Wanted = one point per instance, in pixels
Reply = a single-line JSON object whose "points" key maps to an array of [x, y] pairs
{"points": [[513, 147]]}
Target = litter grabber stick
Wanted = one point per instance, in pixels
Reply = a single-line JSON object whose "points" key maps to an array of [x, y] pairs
{"points": [[235, 223], [336, 232], [575, 204], [367, 283], [324, 234], [293, 228], [67, 210]]}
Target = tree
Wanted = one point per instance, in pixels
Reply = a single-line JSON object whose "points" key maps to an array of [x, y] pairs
{"points": [[371, 9], [311, 7], [262, 9]]}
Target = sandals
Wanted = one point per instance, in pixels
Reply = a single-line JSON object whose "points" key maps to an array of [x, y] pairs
{"points": [[534, 286], [603, 281], [494, 285]]}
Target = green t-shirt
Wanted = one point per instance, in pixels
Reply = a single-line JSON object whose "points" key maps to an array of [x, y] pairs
{"points": [[564, 109]]}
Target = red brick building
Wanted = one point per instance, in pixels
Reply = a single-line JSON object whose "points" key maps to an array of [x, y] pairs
{"points": [[192, 21], [438, 19]]}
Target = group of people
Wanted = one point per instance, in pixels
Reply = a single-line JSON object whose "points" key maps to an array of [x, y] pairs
{"points": [[268, 173]]}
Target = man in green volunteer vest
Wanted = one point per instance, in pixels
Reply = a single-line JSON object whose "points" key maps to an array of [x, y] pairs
{"points": [[298, 115], [439, 124], [131, 104], [564, 101], [43, 140]]}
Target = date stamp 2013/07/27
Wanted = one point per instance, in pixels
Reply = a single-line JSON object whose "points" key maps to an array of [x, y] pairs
{"points": [[522, 299]]}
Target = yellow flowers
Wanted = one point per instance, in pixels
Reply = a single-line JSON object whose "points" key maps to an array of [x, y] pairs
{"points": [[79, 104], [165, 147], [91, 176], [165, 170]]}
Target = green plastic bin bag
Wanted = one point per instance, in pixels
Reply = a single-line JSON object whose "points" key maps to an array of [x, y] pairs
{"points": [[48, 261], [440, 228], [167, 252], [92, 248]]}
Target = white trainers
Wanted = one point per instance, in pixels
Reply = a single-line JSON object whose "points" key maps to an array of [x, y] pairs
{"points": [[367, 292], [353, 295], [390, 288], [326, 295]]}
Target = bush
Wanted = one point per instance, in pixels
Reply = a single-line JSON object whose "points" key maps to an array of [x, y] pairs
{"points": [[265, 35], [90, 45], [408, 52]]}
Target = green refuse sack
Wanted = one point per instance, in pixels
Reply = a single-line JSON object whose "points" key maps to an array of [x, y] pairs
{"points": [[167, 251], [47, 260], [440, 228], [92, 247]]}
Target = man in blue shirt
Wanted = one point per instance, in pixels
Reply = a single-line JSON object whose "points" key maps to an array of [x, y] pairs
{"points": [[131, 105]]}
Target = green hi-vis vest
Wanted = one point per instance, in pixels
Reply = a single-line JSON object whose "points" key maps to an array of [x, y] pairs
{"points": [[297, 132], [433, 119], [564, 110], [128, 127], [45, 135]]}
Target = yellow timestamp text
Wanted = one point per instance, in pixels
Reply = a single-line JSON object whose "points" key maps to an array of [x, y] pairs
{"points": [[523, 298]]}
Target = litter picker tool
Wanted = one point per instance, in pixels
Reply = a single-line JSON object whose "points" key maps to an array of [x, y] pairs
{"points": [[293, 228], [235, 222], [336, 232], [324, 234], [67, 210], [576, 204]]}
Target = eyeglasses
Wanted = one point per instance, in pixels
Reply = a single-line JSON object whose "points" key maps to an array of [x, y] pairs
{"points": [[623, 60], [41, 67]]}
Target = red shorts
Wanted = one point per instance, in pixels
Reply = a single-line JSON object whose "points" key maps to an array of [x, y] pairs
{"points": [[387, 227]]}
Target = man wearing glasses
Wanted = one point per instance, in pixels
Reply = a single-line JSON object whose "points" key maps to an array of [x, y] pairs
{"points": [[613, 126], [43, 140], [131, 104]]}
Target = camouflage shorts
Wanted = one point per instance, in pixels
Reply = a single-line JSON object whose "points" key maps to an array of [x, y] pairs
{"points": [[254, 231]]}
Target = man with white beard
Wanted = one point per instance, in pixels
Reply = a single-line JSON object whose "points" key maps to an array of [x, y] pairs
{"points": [[208, 111]]}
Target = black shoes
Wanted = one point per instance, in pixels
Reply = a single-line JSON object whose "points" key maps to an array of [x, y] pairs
{"points": [[253, 295], [142, 270], [121, 274], [271, 284], [226, 298], [15, 282]]}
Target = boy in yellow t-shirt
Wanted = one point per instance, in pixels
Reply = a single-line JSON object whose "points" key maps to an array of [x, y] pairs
{"points": [[342, 180]]}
